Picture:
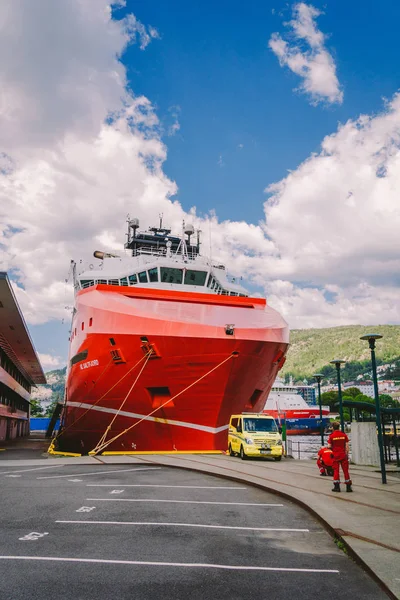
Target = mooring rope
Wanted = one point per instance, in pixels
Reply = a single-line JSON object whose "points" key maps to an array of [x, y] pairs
{"points": [[100, 448]]}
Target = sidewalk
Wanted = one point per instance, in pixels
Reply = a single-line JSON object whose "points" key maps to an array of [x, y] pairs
{"points": [[368, 520]]}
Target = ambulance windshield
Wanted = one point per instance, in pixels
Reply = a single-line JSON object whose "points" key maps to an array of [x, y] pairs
{"points": [[256, 425]]}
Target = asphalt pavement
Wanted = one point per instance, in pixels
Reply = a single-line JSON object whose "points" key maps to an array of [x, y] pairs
{"points": [[99, 532]]}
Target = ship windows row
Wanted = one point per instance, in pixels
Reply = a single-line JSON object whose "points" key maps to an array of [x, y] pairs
{"points": [[165, 275]]}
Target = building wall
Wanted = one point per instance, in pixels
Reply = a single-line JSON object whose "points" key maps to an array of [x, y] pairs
{"points": [[14, 407], [13, 428], [308, 393]]}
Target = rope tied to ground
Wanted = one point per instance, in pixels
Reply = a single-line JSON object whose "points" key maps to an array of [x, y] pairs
{"points": [[51, 447], [103, 438], [99, 448]]}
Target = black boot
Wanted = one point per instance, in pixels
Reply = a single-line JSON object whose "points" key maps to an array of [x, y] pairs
{"points": [[348, 487], [336, 487]]}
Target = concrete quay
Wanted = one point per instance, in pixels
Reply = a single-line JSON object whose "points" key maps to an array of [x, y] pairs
{"points": [[367, 521]]}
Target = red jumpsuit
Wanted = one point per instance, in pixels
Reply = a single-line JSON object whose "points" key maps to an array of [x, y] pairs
{"points": [[337, 442], [325, 459]]}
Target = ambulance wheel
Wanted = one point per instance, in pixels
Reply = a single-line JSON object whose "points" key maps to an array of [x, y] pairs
{"points": [[243, 456], [278, 457], [231, 452]]}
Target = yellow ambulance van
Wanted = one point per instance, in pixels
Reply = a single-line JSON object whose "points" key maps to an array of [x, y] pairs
{"points": [[252, 434]]}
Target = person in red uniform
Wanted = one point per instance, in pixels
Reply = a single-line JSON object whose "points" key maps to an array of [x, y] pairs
{"points": [[325, 461], [338, 442]]}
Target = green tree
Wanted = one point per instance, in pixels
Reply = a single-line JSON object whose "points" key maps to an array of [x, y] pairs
{"points": [[36, 409], [50, 409], [387, 401], [329, 398], [353, 392], [364, 398]]}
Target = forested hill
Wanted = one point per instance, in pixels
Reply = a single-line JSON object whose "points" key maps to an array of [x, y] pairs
{"points": [[312, 349]]}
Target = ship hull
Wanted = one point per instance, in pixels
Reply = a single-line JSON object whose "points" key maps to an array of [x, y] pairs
{"points": [[175, 381], [308, 423]]}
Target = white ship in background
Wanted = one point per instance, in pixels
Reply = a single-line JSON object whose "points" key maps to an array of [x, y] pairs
{"points": [[285, 402]]}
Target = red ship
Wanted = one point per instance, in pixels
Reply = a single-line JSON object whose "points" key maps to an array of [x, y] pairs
{"points": [[164, 348]]}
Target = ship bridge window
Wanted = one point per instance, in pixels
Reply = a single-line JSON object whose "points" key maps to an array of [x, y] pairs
{"points": [[124, 281], [195, 277], [113, 282], [132, 279], [86, 283], [153, 274], [171, 275], [143, 277], [102, 281]]}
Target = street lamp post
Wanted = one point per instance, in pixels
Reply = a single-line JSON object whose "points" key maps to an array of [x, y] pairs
{"points": [[338, 362], [371, 338], [318, 377]]}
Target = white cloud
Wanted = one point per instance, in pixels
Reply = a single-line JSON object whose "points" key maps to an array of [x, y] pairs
{"points": [[327, 253], [335, 222], [175, 125], [49, 363], [306, 55], [312, 307], [60, 74]]}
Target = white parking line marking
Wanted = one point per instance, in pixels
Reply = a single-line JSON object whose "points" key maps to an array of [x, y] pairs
{"points": [[185, 525], [154, 485], [179, 501], [116, 491], [27, 470], [34, 536], [100, 472], [13, 475], [75, 480], [142, 563]]}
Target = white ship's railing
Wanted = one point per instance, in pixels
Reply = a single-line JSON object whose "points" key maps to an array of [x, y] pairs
{"points": [[164, 252]]}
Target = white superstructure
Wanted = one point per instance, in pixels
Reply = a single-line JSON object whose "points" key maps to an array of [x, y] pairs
{"points": [[161, 261]]}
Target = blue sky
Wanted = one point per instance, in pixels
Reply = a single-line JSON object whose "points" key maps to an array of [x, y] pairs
{"points": [[213, 61], [220, 83]]}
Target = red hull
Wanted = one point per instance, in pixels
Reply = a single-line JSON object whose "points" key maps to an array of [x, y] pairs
{"points": [[187, 332]]}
